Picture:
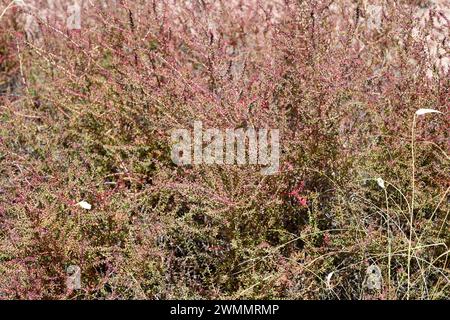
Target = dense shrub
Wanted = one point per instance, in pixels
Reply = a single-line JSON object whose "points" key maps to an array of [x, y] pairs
{"points": [[86, 115]]}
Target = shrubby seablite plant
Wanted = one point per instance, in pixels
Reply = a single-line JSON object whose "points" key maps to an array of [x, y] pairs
{"points": [[343, 93]]}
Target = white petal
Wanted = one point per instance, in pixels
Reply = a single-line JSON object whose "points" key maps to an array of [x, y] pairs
{"points": [[380, 183], [425, 111], [84, 205], [328, 282]]}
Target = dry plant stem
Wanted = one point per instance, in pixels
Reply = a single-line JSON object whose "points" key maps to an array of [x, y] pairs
{"points": [[389, 243], [412, 207], [10, 5]]}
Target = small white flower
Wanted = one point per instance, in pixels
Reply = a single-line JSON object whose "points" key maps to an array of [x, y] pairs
{"points": [[381, 183], [425, 111], [328, 282], [84, 205]]}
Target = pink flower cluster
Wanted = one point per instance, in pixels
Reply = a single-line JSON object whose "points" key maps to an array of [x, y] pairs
{"points": [[296, 194]]}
